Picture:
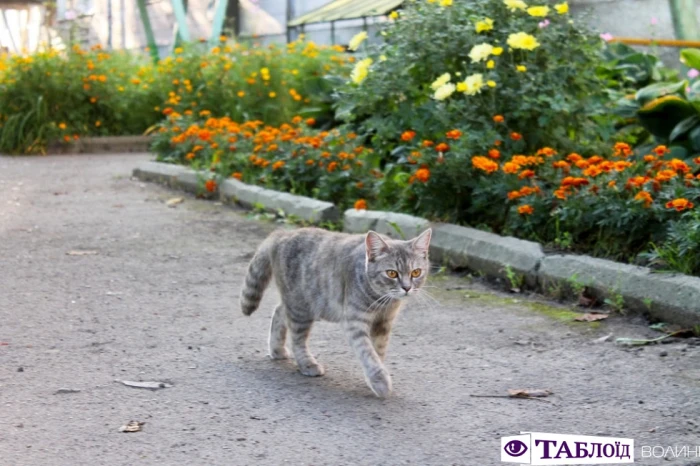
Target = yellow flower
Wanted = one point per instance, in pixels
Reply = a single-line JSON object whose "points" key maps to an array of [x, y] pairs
{"points": [[444, 91], [357, 40], [445, 2], [491, 83], [480, 52], [474, 84], [538, 11], [62, 125], [178, 50], [382, 57], [361, 70], [461, 87], [513, 5], [98, 123], [521, 68], [522, 40], [497, 51], [562, 8], [394, 15], [241, 93], [441, 81], [485, 25], [490, 64], [272, 94]]}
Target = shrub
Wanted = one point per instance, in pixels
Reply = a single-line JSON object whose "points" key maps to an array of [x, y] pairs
{"points": [[442, 67]]}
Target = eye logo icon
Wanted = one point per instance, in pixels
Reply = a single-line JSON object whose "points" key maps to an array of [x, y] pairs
{"points": [[515, 448]]}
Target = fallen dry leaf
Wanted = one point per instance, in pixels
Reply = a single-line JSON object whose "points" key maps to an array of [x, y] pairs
{"points": [[591, 317], [82, 253], [174, 201], [526, 393], [147, 385], [132, 426]]}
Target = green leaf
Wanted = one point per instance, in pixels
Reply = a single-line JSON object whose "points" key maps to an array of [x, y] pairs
{"points": [[654, 91], [694, 137], [691, 58], [661, 115], [684, 126]]}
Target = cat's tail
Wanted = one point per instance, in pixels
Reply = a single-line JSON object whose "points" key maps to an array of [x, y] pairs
{"points": [[257, 279]]}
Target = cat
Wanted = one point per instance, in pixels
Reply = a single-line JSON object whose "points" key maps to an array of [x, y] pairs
{"points": [[361, 281]]}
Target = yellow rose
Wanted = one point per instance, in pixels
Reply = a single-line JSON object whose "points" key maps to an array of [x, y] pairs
{"points": [[514, 5], [497, 51], [562, 8], [357, 40], [441, 81], [444, 91], [522, 40], [480, 52], [485, 25], [361, 70], [461, 87], [538, 11], [490, 64], [521, 68]]}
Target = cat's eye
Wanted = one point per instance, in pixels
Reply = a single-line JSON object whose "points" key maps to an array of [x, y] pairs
{"points": [[392, 273], [416, 273]]}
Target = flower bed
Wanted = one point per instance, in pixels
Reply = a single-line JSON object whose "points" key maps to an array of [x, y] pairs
{"points": [[55, 95], [616, 205]]}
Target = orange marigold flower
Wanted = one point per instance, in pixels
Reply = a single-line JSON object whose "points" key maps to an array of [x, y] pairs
{"points": [[582, 164], [453, 134], [498, 119], [167, 111], [511, 167], [204, 134], [573, 157], [637, 181], [525, 209], [514, 195], [325, 154], [408, 135], [237, 175], [561, 164], [665, 175], [277, 165], [210, 185], [595, 159], [547, 152], [190, 155], [310, 121], [526, 174], [497, 142], [679, 165], [561, 193], [573, 181], [495, 154], [645, 197], [360, 204], [661, 150], [310, 162], [516, 136], [621, 165], [612, 184], [649, 158], [332, 166], [422, 174], [359, 185], [484, 164], [67, 138], [592, 171], [296, 120], [697, 160], [442, 147], [622, 149], [428, 143], [680, 204]]}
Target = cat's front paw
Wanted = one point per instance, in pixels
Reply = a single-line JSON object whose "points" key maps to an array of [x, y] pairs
{"points": [[380, 383], [311, 369], [279, 353]]}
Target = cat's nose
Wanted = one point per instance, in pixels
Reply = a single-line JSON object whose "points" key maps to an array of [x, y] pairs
{"points": [[406, 288]]}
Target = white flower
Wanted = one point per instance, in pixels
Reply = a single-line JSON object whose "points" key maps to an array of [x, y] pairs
{"points": [[357, 40], [444, 91], [439, 82], [480, 52]]}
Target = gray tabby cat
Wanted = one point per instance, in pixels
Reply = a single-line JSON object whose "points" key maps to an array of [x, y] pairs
{"points": [[359, 280]]}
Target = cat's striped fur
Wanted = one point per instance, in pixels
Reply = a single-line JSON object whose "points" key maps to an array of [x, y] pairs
{"points": [[336, 277]]}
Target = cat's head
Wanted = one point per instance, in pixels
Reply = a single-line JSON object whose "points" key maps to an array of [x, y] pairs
{"points": [[397, 268]]}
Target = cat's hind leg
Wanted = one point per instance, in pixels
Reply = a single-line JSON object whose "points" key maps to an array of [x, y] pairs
{"points": [[299, 325], [278, 333]]}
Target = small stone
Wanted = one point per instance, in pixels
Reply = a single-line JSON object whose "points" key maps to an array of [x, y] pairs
{"points": [[663, 354], [20, 369]]}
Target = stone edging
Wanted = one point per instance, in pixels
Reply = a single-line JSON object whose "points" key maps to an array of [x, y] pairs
{"points": [[234, 191], [102, 145], [672, 298]]}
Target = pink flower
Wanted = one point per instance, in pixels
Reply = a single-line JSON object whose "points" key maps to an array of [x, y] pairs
{"points": [[693, 73], [543, 24], [607, 37], [654, 20]]}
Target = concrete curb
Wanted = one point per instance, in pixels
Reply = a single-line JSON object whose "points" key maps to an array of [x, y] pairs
{"points": [[234, 191], [672, 298], [103, 145]]}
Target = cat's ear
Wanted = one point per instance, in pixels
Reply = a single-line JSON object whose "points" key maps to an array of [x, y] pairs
{"points": [[421, 244], [374, 245]]}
